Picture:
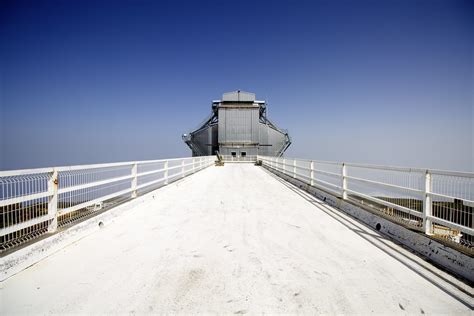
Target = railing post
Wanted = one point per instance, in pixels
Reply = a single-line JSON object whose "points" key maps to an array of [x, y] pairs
{"points": [[294, 168], [311, 174], [344, 181], [166, 172], [53, 201], [134, 180], [427, 205], [182, 168]]}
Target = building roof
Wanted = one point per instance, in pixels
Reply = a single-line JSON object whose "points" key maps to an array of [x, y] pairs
{"points": [[238, 96]]}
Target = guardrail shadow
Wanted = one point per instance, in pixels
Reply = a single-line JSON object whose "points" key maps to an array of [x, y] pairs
{"points": [[367, 232]]}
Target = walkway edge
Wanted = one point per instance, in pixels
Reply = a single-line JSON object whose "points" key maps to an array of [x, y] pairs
{"points": [[453, 261], [29, 255]]}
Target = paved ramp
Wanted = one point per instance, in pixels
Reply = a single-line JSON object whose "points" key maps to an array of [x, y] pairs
{"points": [[236, 240]]}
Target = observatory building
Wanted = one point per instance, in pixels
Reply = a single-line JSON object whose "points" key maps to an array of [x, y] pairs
{"points": [[238, 126]]}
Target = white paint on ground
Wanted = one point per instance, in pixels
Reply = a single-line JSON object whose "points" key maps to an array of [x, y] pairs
{"points": [[229, 239]]}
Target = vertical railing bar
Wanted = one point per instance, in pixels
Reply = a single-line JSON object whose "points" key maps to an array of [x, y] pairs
{"points": [[427, 205], [294, 168], [53, 201], [166, 172], [344, 181], [134, 179]]}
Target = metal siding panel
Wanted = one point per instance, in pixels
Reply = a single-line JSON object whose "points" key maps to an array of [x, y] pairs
{"points": [[238, 125], [209, 138], [269, 136], [238, 96], [255, 130], [222, 126], [263, 150], [246, 96], [201, 139], [214, 138], [277, 139], [230, 96]]}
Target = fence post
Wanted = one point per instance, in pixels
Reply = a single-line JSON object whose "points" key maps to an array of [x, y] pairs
{"points": [[311, 175], [53, 201], [166, 172], [294, 168], [344, 181], [134, 180], [427, 205], [182, 168]]}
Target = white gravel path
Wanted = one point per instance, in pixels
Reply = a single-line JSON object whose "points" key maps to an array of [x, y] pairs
{"points": [[231, 240]]}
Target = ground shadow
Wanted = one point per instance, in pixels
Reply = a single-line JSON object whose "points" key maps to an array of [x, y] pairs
{"points": [[366, 232]]}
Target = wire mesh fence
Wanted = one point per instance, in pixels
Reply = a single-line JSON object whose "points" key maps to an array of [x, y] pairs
{"points": [[452, 197], [24, 202], [438, 203], [34, 202]]}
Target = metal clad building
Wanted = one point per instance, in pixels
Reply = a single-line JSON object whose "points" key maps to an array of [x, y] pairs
{"points": [[238, 126]]}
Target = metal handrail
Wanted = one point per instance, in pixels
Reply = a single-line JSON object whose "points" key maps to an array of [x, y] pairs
{"points": [[34, 201], [230, 158], [435, 196]]}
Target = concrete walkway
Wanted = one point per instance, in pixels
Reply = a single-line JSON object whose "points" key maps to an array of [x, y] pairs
{"points": [[234, 240]]}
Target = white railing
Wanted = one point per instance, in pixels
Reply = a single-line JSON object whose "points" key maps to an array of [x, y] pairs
{"points": [[438, 203], [36, 201], [230, 158]]}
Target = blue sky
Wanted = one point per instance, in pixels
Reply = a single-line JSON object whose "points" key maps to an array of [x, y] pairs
{"points": [[386, 82]]}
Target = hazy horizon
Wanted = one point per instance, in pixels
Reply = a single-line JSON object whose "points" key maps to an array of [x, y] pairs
{"points": [[387, 83]]}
